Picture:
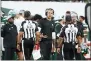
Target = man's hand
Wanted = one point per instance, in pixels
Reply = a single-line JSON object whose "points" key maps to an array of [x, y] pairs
{"points": [[59, 42], [18, 47], [85, 31], [79, 50], [43, 36], [58, 50], [38, 38], [37, 42]]}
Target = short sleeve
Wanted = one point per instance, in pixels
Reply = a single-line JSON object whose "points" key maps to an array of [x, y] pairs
{"points": [[21, 27], [36, 29], [41, 24], [3, 31], [80, 29], [58, 28], [36, 26], [53, 26], [80, 33], [62, 33]]}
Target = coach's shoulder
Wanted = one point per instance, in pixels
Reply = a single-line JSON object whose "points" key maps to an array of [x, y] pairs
{"points": [[42, 20]]}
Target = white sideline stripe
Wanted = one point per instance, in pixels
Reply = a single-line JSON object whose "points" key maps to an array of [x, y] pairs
{"points": [[23, 49]]}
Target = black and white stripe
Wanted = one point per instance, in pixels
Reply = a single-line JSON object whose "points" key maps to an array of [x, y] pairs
{"points": [[70, 33], [28, 27]]}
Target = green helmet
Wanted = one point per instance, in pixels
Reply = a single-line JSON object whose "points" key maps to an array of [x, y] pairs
{"points": [[4, 19], [12, 13]]}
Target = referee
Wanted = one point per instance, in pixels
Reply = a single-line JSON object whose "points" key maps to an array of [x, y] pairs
{"points": [[27, 33], [47, 29], [68, 36]]}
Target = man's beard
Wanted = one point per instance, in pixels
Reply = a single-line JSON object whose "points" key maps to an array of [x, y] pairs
{"points": [[51, 18], [11, 22]]}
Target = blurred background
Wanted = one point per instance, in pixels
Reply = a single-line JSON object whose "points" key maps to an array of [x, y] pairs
{"points": [[52, 0], [39, 6]]}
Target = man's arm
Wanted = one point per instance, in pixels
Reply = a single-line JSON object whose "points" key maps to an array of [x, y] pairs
{"points": [[19, 37], [80, 39], [3, 31], [38, 30], [80, 36], [61, 36], [60, 41], [78, 46], [20, 34], [38, 38]]}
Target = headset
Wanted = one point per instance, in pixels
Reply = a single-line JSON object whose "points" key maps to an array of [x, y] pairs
{"points": [[47, 11]]}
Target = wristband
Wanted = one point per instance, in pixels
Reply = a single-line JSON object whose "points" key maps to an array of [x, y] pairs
{"points": [[53, 35]]}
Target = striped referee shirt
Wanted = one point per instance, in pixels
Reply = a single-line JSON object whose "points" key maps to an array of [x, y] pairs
{"points": [[69, 32], [29, 28]]}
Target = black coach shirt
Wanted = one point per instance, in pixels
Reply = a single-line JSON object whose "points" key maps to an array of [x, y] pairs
{"points": [[47, 27], [9, 34]]}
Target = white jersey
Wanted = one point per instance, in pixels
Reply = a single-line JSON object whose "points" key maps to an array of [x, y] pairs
{"points": [[18, 22]]}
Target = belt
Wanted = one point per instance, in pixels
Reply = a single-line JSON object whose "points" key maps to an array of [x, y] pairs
{"points": [[27, 38]]}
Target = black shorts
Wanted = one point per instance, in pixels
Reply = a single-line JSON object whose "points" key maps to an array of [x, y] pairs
{"points": [[20, 48]]}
